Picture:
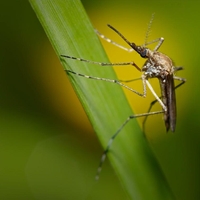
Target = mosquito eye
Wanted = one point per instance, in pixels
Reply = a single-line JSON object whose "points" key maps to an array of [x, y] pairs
{"points": [[143, 53]]}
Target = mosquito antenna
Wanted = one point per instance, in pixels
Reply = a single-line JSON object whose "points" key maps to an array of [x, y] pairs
{"points": [[148, 29]]}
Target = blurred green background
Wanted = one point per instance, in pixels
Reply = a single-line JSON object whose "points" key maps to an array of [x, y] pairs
{"points": [[48, 149]]}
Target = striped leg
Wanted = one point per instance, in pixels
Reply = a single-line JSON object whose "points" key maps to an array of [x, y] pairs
{"points": [[112, 81], [160, 40], [115, 135], [130, 80], [112, 42], [102, 63], [109, 80]]}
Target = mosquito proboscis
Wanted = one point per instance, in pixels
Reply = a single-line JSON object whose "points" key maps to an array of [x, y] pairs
{"points": [[157, 65]]}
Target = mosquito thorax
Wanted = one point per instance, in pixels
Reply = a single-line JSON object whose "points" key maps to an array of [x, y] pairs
{"points": [[157, 65]]}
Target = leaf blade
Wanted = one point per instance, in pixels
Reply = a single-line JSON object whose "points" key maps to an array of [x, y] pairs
{"points": [[71, 33]]}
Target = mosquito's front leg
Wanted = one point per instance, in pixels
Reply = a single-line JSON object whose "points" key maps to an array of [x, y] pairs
{"points": [[159, 40], [112, 42]]}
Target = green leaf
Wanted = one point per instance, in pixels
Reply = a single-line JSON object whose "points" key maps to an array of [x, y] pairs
{"points": [[71, 33]]}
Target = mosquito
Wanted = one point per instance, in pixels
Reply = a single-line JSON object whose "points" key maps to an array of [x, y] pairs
{"points": [[157, 65]]}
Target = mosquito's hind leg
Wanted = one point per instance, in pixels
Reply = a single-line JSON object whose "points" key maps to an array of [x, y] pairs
{"points": [[155, 101], [115, 135], [145, 119]]}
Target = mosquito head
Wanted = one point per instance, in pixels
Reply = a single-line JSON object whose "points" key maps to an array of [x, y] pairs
{"points": [[141, 50]]}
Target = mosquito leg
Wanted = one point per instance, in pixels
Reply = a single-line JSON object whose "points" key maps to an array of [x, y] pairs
{"points": [[115, 135], [102, 63], [156, 96], [112, 42], [178, 69], [131, 80], [133, 45], [155, 101], [111, 81], [160, 41], [180, 79], [145, 119], [183, 80]]}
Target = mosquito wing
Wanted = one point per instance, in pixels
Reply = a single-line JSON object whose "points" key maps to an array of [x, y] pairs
{"points": [[169, 99]]}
